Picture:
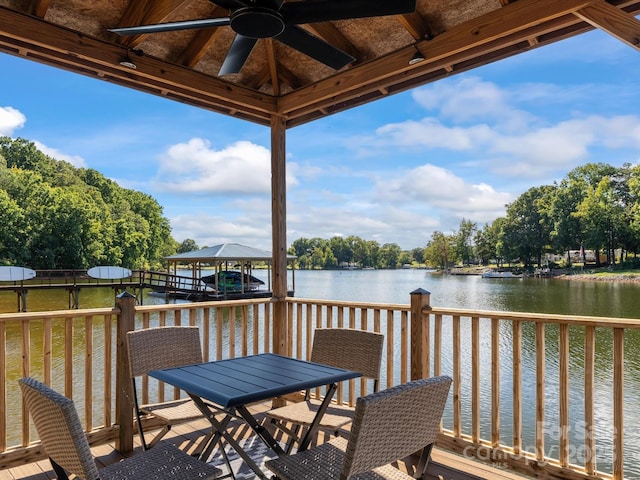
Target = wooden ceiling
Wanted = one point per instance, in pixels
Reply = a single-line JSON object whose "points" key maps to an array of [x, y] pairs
{"points": [[278, 81]]}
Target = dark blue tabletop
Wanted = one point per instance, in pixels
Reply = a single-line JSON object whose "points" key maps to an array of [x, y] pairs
{"points": [[243, 380]]}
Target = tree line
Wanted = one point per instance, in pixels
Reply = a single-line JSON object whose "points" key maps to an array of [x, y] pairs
{"points": [[595, 207], [340, 252], [56, 216]]}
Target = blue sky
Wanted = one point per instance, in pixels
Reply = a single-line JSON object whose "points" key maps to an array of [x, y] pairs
{"points": [[393, 171]]}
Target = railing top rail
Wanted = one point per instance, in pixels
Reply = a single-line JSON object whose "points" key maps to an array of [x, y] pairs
{"points": [[209, 304], [582, 320], [342, 303], [85, 312]]}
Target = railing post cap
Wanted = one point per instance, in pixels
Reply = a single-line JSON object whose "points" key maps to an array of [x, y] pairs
{"points": [[420, 291], [125, 294]]}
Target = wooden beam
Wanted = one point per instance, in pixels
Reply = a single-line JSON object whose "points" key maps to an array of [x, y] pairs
{"points": [[279, 233], [39, 8], [273, 66], [612, 20], [415, 25]]}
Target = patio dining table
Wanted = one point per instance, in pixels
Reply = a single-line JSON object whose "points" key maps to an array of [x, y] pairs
{"points": [[229, 386]]}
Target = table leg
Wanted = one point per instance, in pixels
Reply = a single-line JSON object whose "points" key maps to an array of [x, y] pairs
{"points": [[220, 428], [260, 430], [313, 428]]}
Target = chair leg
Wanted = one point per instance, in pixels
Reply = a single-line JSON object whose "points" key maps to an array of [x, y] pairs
{"points": [[159, 436], [59, 471], [423, 463]]}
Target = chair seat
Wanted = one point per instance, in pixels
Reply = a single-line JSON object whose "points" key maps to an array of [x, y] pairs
{"points": [[324, 462], [164, 462], [304, 412], [174, 411]]}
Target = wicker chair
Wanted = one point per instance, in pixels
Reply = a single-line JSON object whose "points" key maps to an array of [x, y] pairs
{"points": [[64, 441], [154, 349], [388, 426], [352, 349]]}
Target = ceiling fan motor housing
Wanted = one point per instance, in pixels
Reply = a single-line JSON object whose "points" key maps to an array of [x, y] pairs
{"points": [[257, 22]]}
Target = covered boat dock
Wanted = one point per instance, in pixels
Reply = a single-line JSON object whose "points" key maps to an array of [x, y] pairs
{"points": [[228, 270]]}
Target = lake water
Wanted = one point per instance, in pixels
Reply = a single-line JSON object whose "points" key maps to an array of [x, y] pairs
{"points": [[394, 286], [474, 292]]}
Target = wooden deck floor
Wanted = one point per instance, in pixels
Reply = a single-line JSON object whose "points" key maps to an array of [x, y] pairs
{"points": [[444, 465]]}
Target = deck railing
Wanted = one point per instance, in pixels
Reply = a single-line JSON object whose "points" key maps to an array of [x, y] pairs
{"points": [[510, 372]]}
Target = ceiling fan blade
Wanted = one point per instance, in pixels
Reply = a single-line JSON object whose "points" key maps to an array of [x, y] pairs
{"points": [[314, 11], [237, 54], [172, 26], [314, 47]]}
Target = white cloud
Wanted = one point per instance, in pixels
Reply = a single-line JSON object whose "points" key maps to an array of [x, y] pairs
{"points": [[210, 230], [75, 160], [10, 120], [436, 187], [195, 168], [430, 133]]}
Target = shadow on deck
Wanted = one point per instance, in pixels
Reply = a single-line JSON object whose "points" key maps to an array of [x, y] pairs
{"points": [[444, 465]]}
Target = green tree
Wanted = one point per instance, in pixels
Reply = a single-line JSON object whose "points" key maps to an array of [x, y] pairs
{"points": [[188, 245], [389, 256], [464, 241], [526, 233], [439, 251]]}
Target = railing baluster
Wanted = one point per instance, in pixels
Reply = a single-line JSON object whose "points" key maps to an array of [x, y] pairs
{"points": [[404, 347], [108, 361], [563, 397], [516, 399], [390, 348], [540, 389], [475, 379], [244, 331], [589, 387], [457, 377], [618, 403], [495, 382], [3, 387], [88, 373]]}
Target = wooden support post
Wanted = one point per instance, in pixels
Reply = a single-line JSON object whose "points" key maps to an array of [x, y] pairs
{"points": [[279, 234], [420, 335], [126, 302]]}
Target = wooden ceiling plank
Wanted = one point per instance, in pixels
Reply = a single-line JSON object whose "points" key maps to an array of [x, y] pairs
{"points": [[198, 47], [36, 34], [612, 20], [482, 30]]}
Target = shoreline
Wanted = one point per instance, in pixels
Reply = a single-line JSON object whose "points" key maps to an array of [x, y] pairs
{"points": [[602, 277]]}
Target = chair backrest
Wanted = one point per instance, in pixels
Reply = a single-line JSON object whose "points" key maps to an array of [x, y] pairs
{"points": [[163, 347], [357, 350], [395, 423], [58, 425]]}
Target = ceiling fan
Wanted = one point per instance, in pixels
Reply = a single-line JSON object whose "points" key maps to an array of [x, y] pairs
{"points": [[255, 19]]}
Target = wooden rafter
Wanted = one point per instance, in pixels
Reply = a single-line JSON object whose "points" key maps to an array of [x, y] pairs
{"points": [[612, 20]]}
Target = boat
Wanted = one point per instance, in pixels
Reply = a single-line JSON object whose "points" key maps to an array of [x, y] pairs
{"points": [[232, 281], [500, 274]]}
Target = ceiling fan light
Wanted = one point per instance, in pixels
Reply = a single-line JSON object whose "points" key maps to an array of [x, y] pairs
{"points": [[126, 62], [417, 58]]}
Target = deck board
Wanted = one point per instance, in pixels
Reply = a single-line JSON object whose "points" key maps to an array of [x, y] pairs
{"points": [[444, 465]]}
